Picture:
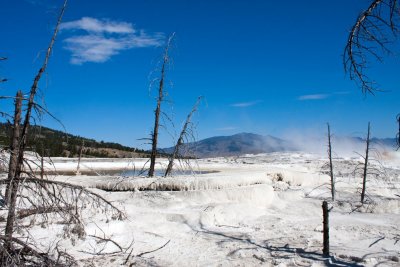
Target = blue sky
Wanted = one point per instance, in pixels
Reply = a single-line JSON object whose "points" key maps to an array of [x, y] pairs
{"points": [[268, 67]]}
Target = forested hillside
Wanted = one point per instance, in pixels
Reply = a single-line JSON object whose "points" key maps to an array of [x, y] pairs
{"points": [[54, 143]]}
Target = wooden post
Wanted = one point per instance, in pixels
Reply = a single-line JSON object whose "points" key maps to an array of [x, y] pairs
{"points": [[325, 213]]}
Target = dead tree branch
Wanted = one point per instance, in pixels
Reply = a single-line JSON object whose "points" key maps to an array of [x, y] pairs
{"points": [[374, 31], [181, 138], [148, 252]]}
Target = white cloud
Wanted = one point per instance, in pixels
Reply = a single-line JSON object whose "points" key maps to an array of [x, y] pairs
{"points": [[103, 39], [93, 25], [245, 104], [313, 97]]}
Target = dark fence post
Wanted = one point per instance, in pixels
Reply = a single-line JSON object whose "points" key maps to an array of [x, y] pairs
{"points": [[325, 212]]}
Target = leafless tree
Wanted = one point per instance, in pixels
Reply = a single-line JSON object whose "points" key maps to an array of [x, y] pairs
{"points": [[365, 171], [185, 134], [27, 195], [372, 36], [398, 134], [161, 95], [331, 163]]}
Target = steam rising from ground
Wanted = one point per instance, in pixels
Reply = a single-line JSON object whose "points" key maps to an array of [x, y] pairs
{"points": [[342, 147]]}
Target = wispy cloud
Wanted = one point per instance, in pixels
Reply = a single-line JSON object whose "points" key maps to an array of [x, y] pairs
{"points": [[227, 128], [322, 96], [93, 25], [95, 40], [313, 97], [245, 104]]}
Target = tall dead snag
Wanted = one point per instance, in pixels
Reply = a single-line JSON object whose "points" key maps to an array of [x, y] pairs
{"points": [[371, 36], [398, 133], [20, 138], [184, 133], [154, 137], [14, 149], [325, 214], [331, 163], [365, 170], [28, 195], [14, 171]]}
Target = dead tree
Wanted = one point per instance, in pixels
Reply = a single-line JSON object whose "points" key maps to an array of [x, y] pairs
{"points": [[184, 134], [398, 133], [331, 164], [371, 36], [365, 171], [26, 192], [14, 150], [154, 136], [14, 171], [19, 140]]}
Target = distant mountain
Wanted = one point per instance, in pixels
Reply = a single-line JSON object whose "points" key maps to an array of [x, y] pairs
{"points": [[54, 143], [238, 144], [249, 143]]}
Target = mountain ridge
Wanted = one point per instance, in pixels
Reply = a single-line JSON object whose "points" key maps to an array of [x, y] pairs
{"points": [[237, 144], [250, 143]]}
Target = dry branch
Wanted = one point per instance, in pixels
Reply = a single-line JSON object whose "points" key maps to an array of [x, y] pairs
{"points": [[22, 254], [118, 214], [374, 31], [184, 133], [148, 252]]}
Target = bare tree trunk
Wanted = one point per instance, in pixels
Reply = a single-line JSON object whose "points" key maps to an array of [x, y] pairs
{"points": [[13, 172], [331, 164], [398, 133], [80, 156], [181, 137], [365, 173], [154, 137], [22, 137], [325, 213], [14, 150]]}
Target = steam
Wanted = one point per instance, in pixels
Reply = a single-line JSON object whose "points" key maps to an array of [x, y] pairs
{"points": [[344, 147]]}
